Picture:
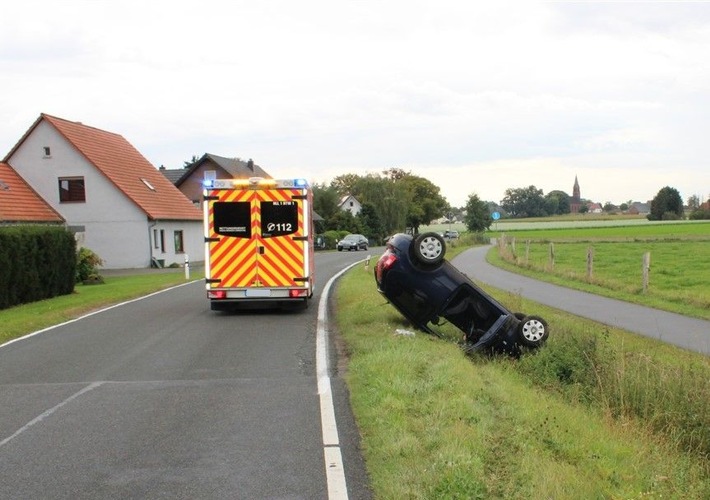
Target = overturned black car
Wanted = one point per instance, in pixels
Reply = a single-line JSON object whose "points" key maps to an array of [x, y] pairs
{"points": [[414, 277]]}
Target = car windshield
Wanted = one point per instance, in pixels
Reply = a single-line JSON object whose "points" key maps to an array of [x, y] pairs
{"points": [[351, 237]]}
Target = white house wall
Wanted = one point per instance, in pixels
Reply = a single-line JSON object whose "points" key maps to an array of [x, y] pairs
{"points": [[114, 227], [163, 246]]}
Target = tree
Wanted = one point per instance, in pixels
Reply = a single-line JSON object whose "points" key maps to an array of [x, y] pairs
{"points": [[371, 223], [524, 202], [390, 200], [693, 202], [345, 184], [325, 204], [425, 201], [343, 220], [193, 160], [667, 205], [557, 203], [478, 217]]}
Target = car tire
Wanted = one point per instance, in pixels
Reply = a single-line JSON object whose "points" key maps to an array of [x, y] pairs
{"points": [[533, 331], [429, 249]]}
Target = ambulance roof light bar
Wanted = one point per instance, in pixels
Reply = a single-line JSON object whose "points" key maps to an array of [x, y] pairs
{"points": [[253, 183]]}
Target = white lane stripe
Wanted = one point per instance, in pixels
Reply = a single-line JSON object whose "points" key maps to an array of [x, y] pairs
{"points": [[334, 471], [47, 413]]}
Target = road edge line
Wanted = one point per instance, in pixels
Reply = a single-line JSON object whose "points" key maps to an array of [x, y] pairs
{"points": [[334, 469]]}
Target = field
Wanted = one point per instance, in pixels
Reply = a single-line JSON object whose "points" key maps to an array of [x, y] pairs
{"points": [[679, 276]]}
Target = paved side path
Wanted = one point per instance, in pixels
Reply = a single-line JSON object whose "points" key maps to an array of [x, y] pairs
{"points": [[689, 333]]}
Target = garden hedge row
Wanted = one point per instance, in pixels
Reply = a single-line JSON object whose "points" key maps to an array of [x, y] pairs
{"points": [[36, 262]]}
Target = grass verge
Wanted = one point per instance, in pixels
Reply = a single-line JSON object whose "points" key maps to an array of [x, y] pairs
{"points": [[438, 424], [21, 320]]}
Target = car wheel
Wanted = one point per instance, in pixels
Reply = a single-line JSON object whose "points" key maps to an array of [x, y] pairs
{"points": [[429, 248], [533, 331]]}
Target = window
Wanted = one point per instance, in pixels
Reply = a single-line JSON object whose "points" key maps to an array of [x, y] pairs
{"points": [[71, 189], [47, 152], [232, 218], [147, 184], [178, 242], [156, 241], [278, 218]]}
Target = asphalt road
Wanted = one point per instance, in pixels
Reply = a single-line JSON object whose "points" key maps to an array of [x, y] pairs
{"points": [[163, 398], [682, 331]]}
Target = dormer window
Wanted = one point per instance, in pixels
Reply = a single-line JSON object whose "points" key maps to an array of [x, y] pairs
{"points": [[47, 152], [148, 184], [4, 186]]}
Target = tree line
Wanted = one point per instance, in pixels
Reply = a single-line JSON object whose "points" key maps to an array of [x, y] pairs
{"points": [[396, 199]]}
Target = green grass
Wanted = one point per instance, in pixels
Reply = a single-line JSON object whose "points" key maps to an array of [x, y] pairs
{"points": [[586, 417], [679, 277], [27, 318], [699, 230]]}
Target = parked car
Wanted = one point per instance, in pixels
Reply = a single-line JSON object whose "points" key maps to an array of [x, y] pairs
{"points": [[451, 235], [428, 290], [352, 242]]}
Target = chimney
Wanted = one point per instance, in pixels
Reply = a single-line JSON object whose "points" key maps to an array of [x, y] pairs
{"points": [[250, 164]]}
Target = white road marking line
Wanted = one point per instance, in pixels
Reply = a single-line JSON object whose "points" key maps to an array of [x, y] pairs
{"points": [[47, 413], [334, 470], [91, 314]]}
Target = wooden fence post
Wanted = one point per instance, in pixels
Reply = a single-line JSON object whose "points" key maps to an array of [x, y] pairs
{"points": [[646, 270], [590, 263], [552, 255], [527, 252]]}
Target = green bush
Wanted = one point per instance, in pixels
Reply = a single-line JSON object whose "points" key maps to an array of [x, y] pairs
{"points": [[86, 264], [36, 262], [332, 237]]}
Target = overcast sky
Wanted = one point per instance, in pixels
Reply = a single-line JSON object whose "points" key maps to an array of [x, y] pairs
{"points": [[477, 97]]}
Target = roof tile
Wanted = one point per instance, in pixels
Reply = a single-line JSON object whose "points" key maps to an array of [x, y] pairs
{"points": [[128, 170], [19, 202]]}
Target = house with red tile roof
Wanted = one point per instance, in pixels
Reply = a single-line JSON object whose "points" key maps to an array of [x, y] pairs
{"points": [[20, 204], [114, 200]]}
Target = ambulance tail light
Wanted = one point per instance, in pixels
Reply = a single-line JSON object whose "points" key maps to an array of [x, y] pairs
{"points": [[217, 294], [294, 293]]}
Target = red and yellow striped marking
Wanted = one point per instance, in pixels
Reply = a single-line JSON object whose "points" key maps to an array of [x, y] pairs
{"points": [[256, 262]]}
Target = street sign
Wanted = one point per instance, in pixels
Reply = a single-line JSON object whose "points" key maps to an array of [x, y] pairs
{"points": [[495, 215]]}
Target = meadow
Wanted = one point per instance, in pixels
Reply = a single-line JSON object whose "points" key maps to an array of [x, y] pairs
{"points": [[609, 261]]}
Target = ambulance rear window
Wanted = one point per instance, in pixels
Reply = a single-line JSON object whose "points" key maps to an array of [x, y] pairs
{"points": [[278, 218], [232, 219]]}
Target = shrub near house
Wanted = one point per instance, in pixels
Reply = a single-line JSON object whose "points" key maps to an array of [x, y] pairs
{"points": [[36, 262]]}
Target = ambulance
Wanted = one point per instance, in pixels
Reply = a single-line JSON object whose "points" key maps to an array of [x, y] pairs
{"points": [[258, 242]]}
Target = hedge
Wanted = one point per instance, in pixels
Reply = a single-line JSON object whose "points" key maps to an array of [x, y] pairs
{"points": [[36, 262]]}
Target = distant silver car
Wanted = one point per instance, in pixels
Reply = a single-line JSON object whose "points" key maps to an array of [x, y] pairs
{"points": [[451, 235], [352, 242]]}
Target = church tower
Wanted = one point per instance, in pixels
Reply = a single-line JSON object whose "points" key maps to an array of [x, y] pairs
{"points": [[576, 200]]}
